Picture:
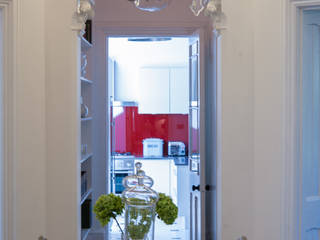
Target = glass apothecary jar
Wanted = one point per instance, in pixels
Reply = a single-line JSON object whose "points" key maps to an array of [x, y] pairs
{"points": [[140, 202]]}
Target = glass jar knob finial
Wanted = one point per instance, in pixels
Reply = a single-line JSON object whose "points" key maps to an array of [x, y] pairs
{"points": [[138, 166]]}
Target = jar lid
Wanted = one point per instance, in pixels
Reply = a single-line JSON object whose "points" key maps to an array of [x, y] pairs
{"points": [[139, 178], [138, 188]]}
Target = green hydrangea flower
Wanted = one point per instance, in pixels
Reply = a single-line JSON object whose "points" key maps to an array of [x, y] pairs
{"points": [[167, 211], [107, 207]]}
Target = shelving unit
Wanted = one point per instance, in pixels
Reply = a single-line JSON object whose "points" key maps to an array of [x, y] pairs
{"points": [[86, 196], [86, 143], [84, 80], [85, 233], [86, 119], [85, 45], [85, 158]]}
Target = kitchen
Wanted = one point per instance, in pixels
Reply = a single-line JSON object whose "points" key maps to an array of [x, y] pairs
{"points": [[151, 118]]}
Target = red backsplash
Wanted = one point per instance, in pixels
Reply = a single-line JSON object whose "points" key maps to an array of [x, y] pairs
{"points": [[131, 128]]}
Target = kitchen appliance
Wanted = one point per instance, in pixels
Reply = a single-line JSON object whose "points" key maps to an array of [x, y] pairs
{"points": [[123, 166], [180, 161], [123, 163], [152, 147], [176, 149]]}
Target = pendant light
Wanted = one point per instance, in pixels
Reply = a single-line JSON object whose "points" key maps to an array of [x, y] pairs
{"points": [[151, 5], [210, 8]]}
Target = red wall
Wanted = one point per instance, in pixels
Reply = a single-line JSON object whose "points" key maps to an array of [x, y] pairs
{"points": [[131, 128]]}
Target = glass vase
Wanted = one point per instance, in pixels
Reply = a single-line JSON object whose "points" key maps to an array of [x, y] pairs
{"points": [[140, 202], [139, 223]]}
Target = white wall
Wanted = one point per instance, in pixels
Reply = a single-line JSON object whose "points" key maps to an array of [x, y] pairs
{"points": [[29, 156], [269, 95], [237, 102], [252, 97], [252, 101], [130, 56], [62, 107]]}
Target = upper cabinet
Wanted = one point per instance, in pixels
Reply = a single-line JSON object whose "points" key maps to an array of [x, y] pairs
{"points": [[179, 90], [163, 89], [153, 90]]}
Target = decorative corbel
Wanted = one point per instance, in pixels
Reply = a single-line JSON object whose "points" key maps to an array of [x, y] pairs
{"points": [[85, 11], [197, 6], [214, 11]]}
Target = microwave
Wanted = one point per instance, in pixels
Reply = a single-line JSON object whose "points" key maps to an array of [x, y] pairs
{"points": [[176, 149]]}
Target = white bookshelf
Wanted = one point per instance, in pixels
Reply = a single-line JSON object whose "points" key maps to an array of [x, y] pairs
{"points": [[85, 158], [86, 195], [85, 233], [86, 119], [84, 80], [86, 140], [85, 45]]}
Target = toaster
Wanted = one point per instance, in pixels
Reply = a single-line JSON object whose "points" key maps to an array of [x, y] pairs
{"points": [[176, 149]]}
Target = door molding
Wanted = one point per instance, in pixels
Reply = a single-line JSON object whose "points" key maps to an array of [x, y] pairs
{"points": [[8, 9], [103, 30], [291, 210]]}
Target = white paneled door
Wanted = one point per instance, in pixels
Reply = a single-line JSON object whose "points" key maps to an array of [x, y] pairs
{"points": [[201, 133], [310, 173]]}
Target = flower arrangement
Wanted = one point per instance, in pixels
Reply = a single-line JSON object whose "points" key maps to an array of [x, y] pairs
{"points": [[107, 207], [110, 206]]}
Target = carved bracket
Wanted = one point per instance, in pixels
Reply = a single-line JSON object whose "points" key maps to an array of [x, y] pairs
{"points": [[197, 6], [212, 9], [85, 11]]}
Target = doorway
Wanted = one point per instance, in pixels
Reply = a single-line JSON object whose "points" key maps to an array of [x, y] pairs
{"points": [[310, 125], [149, 83], [1, 130], [201, 190]]}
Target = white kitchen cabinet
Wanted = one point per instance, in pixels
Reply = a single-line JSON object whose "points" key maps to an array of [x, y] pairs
{"points": [[163, 89], [163, 171], [179, 90], [153, 88]]}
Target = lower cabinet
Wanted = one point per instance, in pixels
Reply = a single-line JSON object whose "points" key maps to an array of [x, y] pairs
{"points": [[164, 174]]}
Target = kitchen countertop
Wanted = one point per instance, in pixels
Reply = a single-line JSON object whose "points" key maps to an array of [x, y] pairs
{"points": [[151, 158], [142, 157], [179, 160]]}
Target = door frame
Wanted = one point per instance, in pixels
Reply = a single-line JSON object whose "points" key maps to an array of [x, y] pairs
{"points": [[8, 12], [103, 30], [291, 202]]}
